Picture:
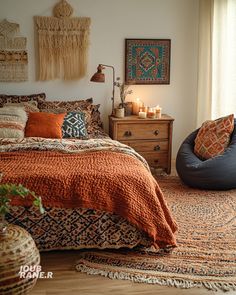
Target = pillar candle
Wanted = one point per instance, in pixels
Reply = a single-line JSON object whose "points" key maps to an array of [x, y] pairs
{"points": [[158, 113], [151, 113], [136, 106], [142, 115]]}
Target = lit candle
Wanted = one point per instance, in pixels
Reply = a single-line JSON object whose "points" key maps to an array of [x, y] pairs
{"points": [[143, 109], [136, 106], [142, 115], [151, 113], [158, 113]]}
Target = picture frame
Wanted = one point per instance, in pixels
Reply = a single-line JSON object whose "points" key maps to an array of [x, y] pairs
{"points": [[147, 61]]}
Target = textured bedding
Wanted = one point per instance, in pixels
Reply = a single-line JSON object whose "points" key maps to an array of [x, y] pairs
{"points": [[99, 174]]}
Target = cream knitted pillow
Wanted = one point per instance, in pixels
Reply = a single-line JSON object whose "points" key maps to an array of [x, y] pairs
{"points": [[12, 122], [29, 106]]}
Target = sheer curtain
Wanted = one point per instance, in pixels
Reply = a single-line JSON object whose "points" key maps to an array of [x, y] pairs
{"points": [[217, 59], [204, 91], [224, 58]]}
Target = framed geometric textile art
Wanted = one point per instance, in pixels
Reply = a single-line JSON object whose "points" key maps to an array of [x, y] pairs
{"points": [[147, 61]]}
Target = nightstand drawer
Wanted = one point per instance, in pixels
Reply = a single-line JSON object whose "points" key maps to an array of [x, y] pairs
{"points": [[151, 138], [156, 160], [148, 146], [142, 131]]}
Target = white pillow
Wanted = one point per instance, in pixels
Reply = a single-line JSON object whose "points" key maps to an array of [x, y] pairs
{"points": [[12, 122]]}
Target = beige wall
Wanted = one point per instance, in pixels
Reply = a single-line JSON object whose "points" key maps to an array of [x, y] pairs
{"points": [[112, 22]]}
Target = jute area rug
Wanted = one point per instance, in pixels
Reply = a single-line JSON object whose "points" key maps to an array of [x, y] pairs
{"points": [[206, 252]]}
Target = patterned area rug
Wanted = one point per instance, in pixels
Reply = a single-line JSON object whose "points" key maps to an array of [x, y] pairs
{"points": [[206, 252]]}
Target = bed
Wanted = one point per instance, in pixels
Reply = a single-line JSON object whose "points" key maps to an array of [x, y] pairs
{"points": [[97, 193]]}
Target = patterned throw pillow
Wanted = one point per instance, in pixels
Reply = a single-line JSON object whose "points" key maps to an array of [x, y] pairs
{"points": [[69, 106], [213, 137], [21, 98], [44, 125], [12, 122], [54, 111], [30, 106], [74, 125], [92, 114], [96, 122]]}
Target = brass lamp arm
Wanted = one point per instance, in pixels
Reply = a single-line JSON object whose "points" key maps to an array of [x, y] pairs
{"points": [[100, 77], [113, 84]]}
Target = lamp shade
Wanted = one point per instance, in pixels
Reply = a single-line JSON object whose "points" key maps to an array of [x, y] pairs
{"points": [[98, 76]]}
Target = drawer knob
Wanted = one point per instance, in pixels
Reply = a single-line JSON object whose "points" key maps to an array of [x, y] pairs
{"points": [[156, 161], [156, 132], [128, 133], [157, 148]]}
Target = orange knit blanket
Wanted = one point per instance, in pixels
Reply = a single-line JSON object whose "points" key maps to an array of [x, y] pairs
{"points": [[104, 180]]}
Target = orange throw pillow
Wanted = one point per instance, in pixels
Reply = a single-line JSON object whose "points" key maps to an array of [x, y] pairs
{"points": [[45, 125], [213, 137]]}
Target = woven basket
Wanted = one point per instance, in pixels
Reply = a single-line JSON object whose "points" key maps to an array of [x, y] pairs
{"points": [[17, 249]]}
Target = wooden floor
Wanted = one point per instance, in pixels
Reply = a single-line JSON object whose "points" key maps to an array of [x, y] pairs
{"points": [[67, 281]]}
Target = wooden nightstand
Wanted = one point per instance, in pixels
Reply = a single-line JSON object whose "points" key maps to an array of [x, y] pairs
{"points": [[151, 138]]}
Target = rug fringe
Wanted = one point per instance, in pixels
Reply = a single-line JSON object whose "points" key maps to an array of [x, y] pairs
{"points": [[170, 282]]}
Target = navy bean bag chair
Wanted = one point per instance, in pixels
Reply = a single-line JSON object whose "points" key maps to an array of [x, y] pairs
{"points": [[217, 173]]}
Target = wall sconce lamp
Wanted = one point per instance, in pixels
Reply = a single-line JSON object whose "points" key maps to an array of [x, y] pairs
{"points": [[99, 76]]}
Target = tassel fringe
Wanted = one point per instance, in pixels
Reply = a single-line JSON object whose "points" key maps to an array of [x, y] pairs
{"points": [[63, 47], [170, 282]]}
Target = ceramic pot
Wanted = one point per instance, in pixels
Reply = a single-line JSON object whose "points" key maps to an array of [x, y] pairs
{"points": [[119, 113]]}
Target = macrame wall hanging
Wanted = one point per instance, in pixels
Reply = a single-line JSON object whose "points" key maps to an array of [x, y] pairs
{"points": [[62, 44], [13, 54]]}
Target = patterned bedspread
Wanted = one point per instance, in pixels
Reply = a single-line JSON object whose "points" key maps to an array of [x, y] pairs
{"points": [[79, 228], [67, 146], [64, 228]]}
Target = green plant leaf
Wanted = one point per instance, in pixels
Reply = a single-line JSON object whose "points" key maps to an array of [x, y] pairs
{"points": [[4, 210], [3, 190], [7, 190]]}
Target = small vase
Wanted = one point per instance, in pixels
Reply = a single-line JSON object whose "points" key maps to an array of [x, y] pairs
{"points": [[3, 225], [119, 113], [128, 107]]}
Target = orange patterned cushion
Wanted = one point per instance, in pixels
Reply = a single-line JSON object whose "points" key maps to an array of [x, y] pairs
{"points": [[40, 97], [213, 137], [44, 125]]}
